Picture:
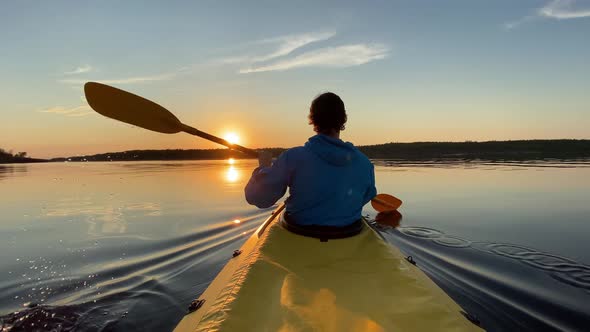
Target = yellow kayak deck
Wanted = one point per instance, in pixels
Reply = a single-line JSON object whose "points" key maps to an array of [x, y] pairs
{"points": [[287, 282]]}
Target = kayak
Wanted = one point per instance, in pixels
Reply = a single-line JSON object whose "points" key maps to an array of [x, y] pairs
{"points": [[282, 281]]}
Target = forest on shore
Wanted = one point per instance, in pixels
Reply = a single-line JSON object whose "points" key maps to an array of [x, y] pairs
{"points": [[564, 149], [8, 157], [491, 150]]}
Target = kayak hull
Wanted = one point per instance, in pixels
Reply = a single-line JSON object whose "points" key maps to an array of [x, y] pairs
{"points": [[282, 281]]}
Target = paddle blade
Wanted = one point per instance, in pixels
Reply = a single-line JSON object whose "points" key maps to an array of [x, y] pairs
{"points": [[129, 108], [385, 202]]}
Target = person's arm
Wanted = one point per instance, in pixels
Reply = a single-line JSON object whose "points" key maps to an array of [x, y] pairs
{"points": [[268, 182], [371, 190]]}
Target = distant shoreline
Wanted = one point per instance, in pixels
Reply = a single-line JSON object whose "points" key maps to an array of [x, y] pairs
{"points": [[562, 149], [521, 150], [23, 160]]}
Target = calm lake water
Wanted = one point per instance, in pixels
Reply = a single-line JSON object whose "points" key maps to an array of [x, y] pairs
{"points": [[127, 246]]}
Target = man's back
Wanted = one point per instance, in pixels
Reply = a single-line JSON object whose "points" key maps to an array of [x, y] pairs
{"points": [[329, 182]]}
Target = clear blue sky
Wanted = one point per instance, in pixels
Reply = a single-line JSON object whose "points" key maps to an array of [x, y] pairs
{"points": [[406, 70]]}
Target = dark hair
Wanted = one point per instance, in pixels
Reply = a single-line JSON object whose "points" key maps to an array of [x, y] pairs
{"points": [[327, 113]]}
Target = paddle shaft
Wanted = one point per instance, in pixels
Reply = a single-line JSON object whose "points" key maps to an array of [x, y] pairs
{"points": [[193, 131]]}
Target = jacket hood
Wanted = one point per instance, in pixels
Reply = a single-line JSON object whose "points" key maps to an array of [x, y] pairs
{"points": [[332, 150]]}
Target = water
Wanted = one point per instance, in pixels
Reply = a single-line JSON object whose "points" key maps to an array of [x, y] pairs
{"points": [[127, 246]]}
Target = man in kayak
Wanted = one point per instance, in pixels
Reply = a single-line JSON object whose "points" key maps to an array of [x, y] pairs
{"points": [[329, 180]]}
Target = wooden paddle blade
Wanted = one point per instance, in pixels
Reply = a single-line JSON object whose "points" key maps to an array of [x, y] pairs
{"points": [[385, 202], [129, 108]]}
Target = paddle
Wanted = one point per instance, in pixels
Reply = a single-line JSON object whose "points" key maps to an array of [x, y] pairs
{"points": [[135, 110], [385, 202]]}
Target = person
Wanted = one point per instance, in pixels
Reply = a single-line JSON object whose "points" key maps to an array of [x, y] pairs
{"points": [[329, 180]]}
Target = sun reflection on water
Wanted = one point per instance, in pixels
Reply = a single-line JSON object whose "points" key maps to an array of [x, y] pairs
{"points": [[232, 174]]}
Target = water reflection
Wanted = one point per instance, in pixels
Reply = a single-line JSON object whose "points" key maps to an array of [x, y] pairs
{"points": [[527, 289], [11, 170], [389, 219], [102, 217], [147, 237], [232, 175]]}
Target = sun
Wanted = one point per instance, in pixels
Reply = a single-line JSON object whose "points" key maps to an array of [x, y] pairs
{"points": [[233, 138]]}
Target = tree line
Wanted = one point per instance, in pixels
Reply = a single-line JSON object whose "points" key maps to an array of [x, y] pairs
{"points": [[491, 150], [18, 157]]}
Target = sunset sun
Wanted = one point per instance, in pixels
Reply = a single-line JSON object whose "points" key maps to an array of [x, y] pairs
{"points": [[233, 138]]}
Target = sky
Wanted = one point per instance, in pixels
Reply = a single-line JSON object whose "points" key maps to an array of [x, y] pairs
{"points": [[407, 71]]}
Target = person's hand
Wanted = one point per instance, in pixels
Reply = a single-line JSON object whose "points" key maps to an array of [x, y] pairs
{"points": [[264, 158]]}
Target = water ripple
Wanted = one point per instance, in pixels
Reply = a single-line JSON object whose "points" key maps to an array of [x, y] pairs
{"points": [[148, 273], [508, 287], [560, 268]]}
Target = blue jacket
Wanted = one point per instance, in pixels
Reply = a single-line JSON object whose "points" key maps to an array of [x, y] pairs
{"points": [[329, 182]]}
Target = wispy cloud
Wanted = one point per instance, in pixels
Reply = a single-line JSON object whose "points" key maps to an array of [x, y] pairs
{"points": [[69, 111], [516, 24], [288, 44], [284, 45], [281, 55], [80, 70], [564, 9], [340, 56], [127, 80], [556, 9]]}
